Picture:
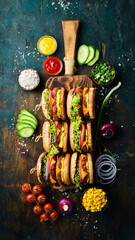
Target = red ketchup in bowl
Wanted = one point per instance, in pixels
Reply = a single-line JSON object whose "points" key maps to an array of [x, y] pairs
{"points": [[53, 65]]}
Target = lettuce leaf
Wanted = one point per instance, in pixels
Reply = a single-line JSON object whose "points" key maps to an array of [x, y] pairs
{"points": [[75, 108], [47, 101], [77, 133], [77, 178]]}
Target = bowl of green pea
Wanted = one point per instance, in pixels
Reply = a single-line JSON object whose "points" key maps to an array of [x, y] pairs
{"points": [[103, 73]]}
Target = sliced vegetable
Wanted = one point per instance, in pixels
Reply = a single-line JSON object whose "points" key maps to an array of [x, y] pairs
{"points": [[26, 117], [91, 53], [105, 169], [95, 59], [103, 72], [65, 205], [82, 54], [27, 122], [26, 112], [26, 132], [22, 125]]}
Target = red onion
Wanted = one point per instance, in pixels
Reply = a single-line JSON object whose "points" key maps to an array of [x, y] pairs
{"points": [[65, 205], [47, 170], [105, 169], [108, 131]]}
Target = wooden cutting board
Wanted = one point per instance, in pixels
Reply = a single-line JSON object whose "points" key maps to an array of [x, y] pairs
{"points": [[69, 82]]}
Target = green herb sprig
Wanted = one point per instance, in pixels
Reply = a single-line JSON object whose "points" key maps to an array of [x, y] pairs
{"points": [[99, 122]]}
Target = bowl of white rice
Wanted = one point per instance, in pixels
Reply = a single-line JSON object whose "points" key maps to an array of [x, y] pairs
{"points": [[28, 79]]}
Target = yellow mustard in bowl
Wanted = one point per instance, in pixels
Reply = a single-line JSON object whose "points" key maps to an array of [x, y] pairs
{"points": [[47, 45]]}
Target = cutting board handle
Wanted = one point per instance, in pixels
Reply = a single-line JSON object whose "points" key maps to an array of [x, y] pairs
{"points": [[70, 29]]}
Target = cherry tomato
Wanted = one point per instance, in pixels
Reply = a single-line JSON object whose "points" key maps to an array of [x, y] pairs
{"points": [[48, 207], [54, 215], [30, 198], [43, 218], [37, 189], [82, 134], [41, 198], [37, 209], [26, 187]]}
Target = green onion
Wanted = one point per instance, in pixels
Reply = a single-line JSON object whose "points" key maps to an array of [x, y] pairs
{"points": [[99, 122]]}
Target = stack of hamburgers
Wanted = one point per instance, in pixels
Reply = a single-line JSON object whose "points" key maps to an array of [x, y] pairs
{"points": [[57, 166]]}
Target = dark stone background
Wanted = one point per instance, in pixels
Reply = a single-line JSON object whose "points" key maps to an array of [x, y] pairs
{"points": [[23, 22]]}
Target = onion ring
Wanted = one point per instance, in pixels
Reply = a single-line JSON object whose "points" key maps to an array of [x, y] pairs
{"points": [[105, 169]]}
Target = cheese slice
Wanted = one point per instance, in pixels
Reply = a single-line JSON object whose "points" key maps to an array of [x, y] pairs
{"points": [[57, 168], [61, 140], [58, 103], [85, 109], [58, 131], [51, 179], [62, 162], [84, 174]]}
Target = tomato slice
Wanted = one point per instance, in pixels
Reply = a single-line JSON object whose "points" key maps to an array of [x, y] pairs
{"points": [[82, 134], [56, 123], [80, 167], [50, 103]]}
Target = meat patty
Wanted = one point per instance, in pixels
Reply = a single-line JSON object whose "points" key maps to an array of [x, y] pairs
{"points": [[53, 169], [59, 132]]}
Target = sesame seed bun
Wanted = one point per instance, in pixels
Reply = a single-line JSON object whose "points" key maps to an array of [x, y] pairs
{"points": [[71, 135], [46, 136], [69, 102], [90, 167], [65, 138], [91, 102], [44, 105], [89, 130], [73, 167], [63, 98], [66, 170], [39, 167]]}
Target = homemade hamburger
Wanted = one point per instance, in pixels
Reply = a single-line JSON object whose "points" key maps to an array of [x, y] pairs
{"points": [[74, 102], [63, 169], [55, 135], [46, 168], [53, 103], [89, 102], [81, 169], [81, 102], [81, 136]]}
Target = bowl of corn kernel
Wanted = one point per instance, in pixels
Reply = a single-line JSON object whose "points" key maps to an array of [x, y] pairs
{"points": [[94, 200]]}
